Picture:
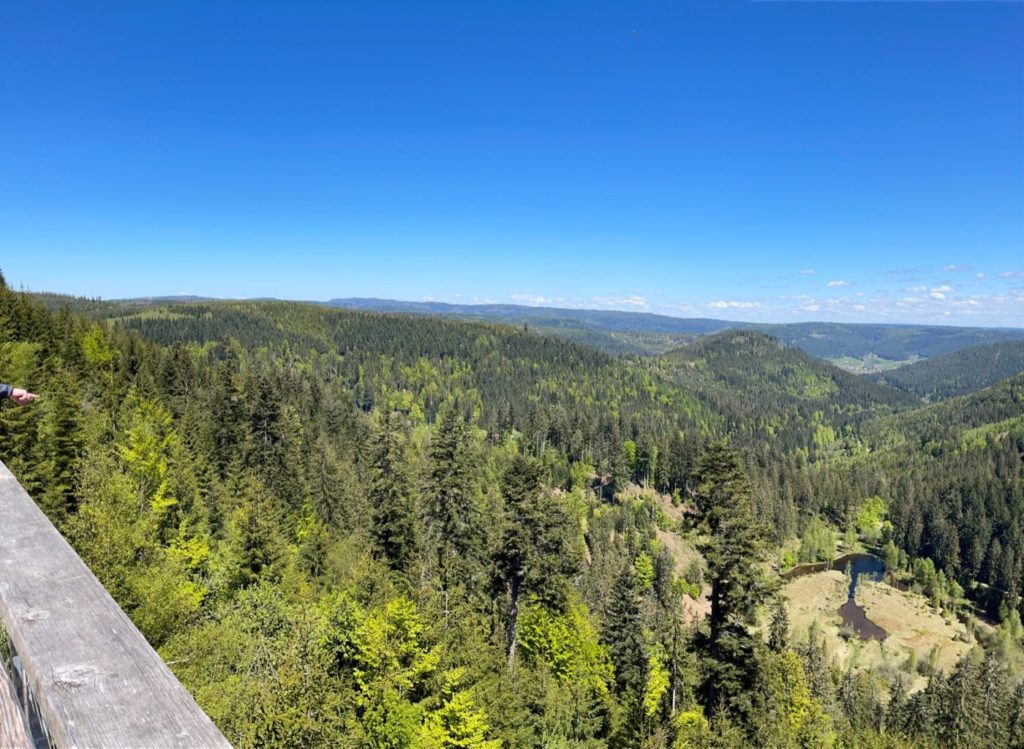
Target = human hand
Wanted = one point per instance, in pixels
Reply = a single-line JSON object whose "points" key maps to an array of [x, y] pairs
{"points": [[21, 396]]}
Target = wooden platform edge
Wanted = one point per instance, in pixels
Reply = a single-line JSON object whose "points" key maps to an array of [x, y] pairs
{"points": [[95, 680]]}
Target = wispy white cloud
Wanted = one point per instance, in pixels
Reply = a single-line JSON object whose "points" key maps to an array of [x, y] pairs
{"points": [[1012, 274], [955, 268], [837, 284], [530, 299], [957, 300], [634, 302], [722, 304], [807, 272]]}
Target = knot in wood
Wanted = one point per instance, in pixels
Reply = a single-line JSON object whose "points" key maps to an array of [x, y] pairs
{"points": [[75, 677]]}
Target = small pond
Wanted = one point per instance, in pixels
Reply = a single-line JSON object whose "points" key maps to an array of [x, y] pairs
{"points": [[851, 612]]}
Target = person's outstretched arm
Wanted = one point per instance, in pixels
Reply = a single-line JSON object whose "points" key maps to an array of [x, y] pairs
{"points": [[18, 396]]}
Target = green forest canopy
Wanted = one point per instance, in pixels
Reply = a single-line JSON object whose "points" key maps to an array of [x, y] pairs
{"points": [[357, 529]]}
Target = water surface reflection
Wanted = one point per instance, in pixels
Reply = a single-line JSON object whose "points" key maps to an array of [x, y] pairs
{"points": [[852, 613]]}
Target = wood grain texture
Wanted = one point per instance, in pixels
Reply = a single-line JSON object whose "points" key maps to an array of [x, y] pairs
{"points": [[12, 726], [98, 683]]}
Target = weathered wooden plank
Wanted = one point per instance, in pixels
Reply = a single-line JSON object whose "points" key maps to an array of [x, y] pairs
{"points": [[12, 725], [96, 680]]}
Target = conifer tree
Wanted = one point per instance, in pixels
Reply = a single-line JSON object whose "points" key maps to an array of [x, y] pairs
{"points": [[325, 485], [778, 635], [60, 442], [961, 722], [453, 512], [993, 688], [255, 537], [859, 700], [895, 712], [538, 549], [227, 412], [390, 495], [734, 547], [624, 635]]}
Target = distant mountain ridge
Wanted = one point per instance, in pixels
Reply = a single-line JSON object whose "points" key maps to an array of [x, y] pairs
{"points": [[654, 334], [859, 347], [607, 319]]}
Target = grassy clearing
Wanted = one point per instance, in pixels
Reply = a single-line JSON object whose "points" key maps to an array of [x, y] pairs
{"points": [[919, 636], [869, 364], [815, 598], [913, 625], [158, 313]]}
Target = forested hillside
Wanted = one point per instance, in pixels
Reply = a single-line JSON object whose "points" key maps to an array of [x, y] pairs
{"points": [[958, 373], [746, 384], [952, 477], [939, 427], [770, 392], [580, 402], [365, 530]]}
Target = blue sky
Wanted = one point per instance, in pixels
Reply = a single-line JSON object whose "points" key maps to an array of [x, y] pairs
{"points": [[857, 161]]}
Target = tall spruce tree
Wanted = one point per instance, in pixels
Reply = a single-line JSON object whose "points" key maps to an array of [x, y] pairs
{"points": [[778, 634], [625, 637], [896, 710], [734, 545], [227, 412], [61, 443], [539, 549], [390, 495], [994, 688], [623, 634], [453, 510]]}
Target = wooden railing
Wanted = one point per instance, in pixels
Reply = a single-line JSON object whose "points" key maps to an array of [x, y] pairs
{"points": [[82, 675], [13, 728]]}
